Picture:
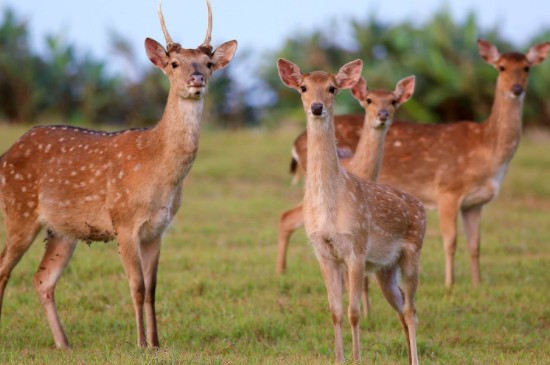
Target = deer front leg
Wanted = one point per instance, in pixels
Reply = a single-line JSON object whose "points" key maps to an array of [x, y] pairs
{"points": [[290, 221], [129, 253], [150, 252], [448, 210], [59, 251], [356, 277], [20, 236], [471, 219], [332, 275]]}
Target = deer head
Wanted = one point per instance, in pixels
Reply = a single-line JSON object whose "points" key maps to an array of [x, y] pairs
{"points": [[189, 69], [380, 105], [318, 88], [513, 67]]}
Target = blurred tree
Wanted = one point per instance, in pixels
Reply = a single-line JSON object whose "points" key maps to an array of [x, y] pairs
{"points": [[56, 82], [65, 84], [453, 81], [18, 71], [537, 101]]}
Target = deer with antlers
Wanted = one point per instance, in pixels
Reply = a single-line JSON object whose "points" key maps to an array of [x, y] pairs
{"points": [[80, 184], [355, 226], [380, 107], [456, 167]]}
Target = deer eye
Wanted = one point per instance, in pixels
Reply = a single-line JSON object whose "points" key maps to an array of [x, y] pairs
{"points": [[526, 69], [394, 102], [303, 88], [369, 101], [502, 68], [209, 64], [175, 65], [332, 89]]}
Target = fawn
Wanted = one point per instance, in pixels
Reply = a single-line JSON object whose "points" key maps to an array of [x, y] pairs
{"points": [[355, 226], [380, 107]]}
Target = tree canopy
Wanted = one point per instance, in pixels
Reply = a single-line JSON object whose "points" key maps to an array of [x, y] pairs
{"points": [[453, 83]]}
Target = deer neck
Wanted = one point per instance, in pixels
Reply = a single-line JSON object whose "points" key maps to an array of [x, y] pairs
{"points": [[503, 127], [367, 160], [177, 134], [323, 174]]}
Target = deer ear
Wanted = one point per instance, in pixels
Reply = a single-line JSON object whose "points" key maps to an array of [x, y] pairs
{"points": [[349, 74], [223, 54], [404, 89], [360, 90], [289, 73], [156, 53], [489, 52], [538, 53]]}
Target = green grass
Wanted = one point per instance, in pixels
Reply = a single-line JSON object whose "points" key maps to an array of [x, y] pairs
{"points": [[219, 300]]}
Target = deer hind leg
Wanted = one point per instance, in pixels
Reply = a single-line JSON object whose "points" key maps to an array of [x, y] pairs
{"points": [[388, 279], [20, 236], [332, 275], [409, 282], [129, 250], [448, 210], [290, 221], [150, 252], [365, 297], [59, 251], [471, 219]]}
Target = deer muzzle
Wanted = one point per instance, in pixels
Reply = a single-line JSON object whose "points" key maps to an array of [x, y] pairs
{"points": [[517, 89], [196, 80], [383, 115], [317, 109]]}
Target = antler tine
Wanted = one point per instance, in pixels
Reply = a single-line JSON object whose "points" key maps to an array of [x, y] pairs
{"points": [[208, 37], [169, 41]]}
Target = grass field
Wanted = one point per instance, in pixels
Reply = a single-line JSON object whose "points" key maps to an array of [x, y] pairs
{"points": [[219, 300]]}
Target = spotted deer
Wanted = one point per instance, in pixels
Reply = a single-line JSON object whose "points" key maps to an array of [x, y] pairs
{"points": [[355, 226], [380, 107], [80, 184], [456, 167]]}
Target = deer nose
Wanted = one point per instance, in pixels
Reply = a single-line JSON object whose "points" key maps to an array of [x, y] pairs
{"points": [[383, 115], [317, 108], [517, 89], [196, 79]]}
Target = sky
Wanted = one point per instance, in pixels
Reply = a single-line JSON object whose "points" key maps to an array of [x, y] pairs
{"points": [[259, 26]]}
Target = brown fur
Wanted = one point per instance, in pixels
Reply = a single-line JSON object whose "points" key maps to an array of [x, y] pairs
{"points": [[81, 184], [354, 226], [380, 107], [453, 167]]}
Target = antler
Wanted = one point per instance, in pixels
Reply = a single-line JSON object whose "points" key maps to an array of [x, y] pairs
{"points": [[170, 44], [169, 41], [206, 44]]}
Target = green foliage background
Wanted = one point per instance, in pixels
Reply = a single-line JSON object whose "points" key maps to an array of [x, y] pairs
{"points": [[453, 82]]}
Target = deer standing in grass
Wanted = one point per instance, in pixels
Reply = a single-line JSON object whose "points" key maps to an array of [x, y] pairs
{"points": [[380, 107], [456, 167], [81, 184], [355, 226]]}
